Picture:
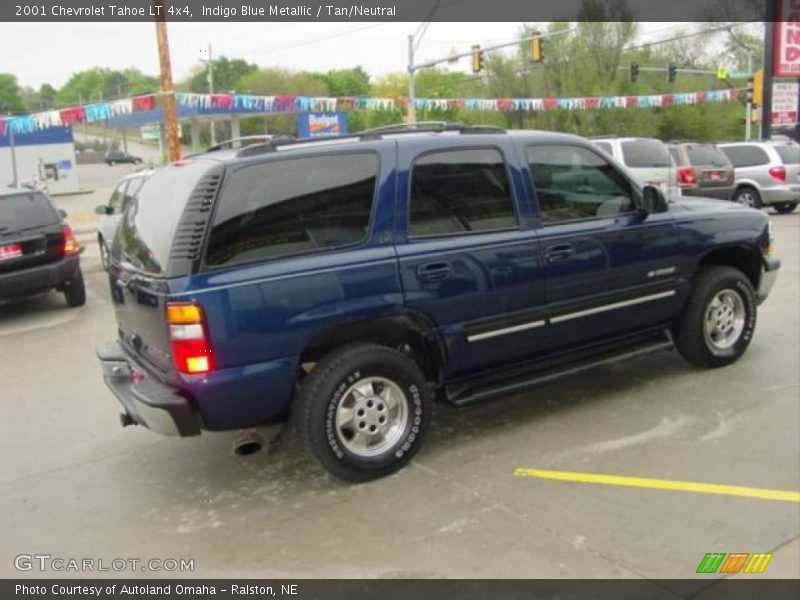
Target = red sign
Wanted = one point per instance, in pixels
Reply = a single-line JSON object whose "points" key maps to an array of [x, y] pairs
{"points": [[787, 38]]}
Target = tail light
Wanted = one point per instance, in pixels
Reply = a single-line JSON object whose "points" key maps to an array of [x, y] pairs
{"points": [[686, 176], [191, 347], [70, 244], [778, 173]]}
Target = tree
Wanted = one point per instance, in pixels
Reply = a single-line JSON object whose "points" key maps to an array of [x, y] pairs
{"points": [[10, 95], [93, 85], [227, 73], [346, 82]]}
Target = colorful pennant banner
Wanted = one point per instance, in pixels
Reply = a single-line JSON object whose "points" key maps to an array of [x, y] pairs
{"points": [[246, 103]]}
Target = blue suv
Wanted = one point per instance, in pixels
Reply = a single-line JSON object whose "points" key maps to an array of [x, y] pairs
{"points": [[348, 282]]}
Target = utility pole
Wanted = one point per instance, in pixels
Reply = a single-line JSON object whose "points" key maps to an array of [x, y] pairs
{"points": [[170, 110], [412, 110], [124, 133], [14, 177], [210, 61]]}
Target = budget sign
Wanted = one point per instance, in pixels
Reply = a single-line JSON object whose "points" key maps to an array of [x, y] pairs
{"points": [[787, 38]]}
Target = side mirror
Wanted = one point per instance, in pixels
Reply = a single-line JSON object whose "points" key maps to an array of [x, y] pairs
{"points": [[62, 213], [103, 209], [653, 200]]}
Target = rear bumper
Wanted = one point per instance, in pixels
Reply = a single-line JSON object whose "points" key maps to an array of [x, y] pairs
{"points": [[783, 193], [719, 193], [38, 279], [146, 402], [769, 273]]}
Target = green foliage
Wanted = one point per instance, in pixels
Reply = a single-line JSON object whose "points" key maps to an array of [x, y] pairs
{"points": [[227, 73], [10, 95], [346, 82], [94, 85]]}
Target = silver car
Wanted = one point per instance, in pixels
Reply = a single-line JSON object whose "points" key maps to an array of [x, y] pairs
{"points": [[648, 159], [767, 173], [111, 212]]}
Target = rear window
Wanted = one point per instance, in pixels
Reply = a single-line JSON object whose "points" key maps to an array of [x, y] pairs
{"points": [[148, 226], [23, 211], [675, 154], [746, 156], [790, 155], [295, 206], [645, 153], [706, 154]]}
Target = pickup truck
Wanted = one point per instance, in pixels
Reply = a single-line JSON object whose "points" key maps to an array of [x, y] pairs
{"points": [[345, 284]]}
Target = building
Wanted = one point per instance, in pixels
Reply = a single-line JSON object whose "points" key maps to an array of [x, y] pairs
{"points": [[48, 155]]}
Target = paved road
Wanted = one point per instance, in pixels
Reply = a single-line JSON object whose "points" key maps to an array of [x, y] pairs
{"points": [[74, 484]]}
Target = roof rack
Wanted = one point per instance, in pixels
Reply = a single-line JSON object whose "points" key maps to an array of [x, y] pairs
{"points": [[370, 134], [248, 140]]}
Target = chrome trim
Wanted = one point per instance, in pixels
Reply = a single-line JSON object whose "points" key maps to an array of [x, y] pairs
{"points": [[504, 331], [615, 305]]}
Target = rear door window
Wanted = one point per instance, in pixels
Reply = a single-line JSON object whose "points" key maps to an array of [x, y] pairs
{"points": [[746, 156], [288, 207], [148, 225], [645, 153], [706, 154], [25, 211], [460, 191], [790, 155]]}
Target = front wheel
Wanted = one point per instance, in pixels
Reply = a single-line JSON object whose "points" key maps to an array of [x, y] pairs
{"points": [[104, 253], [785, 207], [720, 317], [363, 411]]}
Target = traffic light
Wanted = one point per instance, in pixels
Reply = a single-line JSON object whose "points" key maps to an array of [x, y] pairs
{"points": [[634, 72], [477, 59], [536, 48], [758, 87], [672, 72], [748, 91]]}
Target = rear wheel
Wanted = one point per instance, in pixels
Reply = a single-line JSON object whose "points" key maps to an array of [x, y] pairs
{"points": [[747, 196], [75, 290], [363, 411], [720, 317], [785, 207]]}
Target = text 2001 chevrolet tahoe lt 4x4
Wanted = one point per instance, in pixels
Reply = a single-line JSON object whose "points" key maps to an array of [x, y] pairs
{"points": [[349, 282]]}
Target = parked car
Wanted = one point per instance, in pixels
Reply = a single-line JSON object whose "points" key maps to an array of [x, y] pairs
{"points": [[647, 158], [349, 282], [767, 173], [702, 170], [116, 157], [37, 249], [111, 212]]}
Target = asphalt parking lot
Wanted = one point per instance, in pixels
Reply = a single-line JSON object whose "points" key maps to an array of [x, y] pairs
{"points": [[74, 484]]}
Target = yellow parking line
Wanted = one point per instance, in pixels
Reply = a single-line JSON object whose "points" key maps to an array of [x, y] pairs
{"points": [[662, 484]]}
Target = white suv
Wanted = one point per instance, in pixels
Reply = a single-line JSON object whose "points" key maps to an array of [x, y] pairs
{"points": [[647, 158]]}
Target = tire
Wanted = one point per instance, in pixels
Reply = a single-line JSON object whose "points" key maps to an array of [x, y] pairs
{"points": [[111, 163], [103, 252], [785, 207], [747, 196], [356, 390], [724, 296], [75, 290]]}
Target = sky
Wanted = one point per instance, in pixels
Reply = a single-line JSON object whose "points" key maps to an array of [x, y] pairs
{"points": [[50, 52]]}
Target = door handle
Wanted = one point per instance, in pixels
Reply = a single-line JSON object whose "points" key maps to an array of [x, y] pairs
{"points": [[559, 252], [435, 271]]}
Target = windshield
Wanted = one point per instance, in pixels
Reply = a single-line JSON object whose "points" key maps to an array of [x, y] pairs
{"points": [[645, 153]]}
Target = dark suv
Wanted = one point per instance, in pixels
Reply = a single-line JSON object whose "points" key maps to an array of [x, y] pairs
{"points": [[703, 170], [349, 282], [37, 249]]}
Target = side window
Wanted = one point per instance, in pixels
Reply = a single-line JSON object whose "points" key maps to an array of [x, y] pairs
{"points": [[605, 147], [576, 183], [285, 207], [746, 156], [458, 191], [117, 200]]}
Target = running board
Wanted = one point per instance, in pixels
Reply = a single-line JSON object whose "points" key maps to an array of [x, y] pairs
{"points": [[557, 367]]}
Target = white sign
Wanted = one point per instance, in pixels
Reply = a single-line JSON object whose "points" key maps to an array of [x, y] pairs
{"points": [[151, 132], [784, 103], [787, 38]]}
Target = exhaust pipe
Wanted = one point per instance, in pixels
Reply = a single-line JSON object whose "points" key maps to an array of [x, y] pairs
{"points": [[247, 441]]}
